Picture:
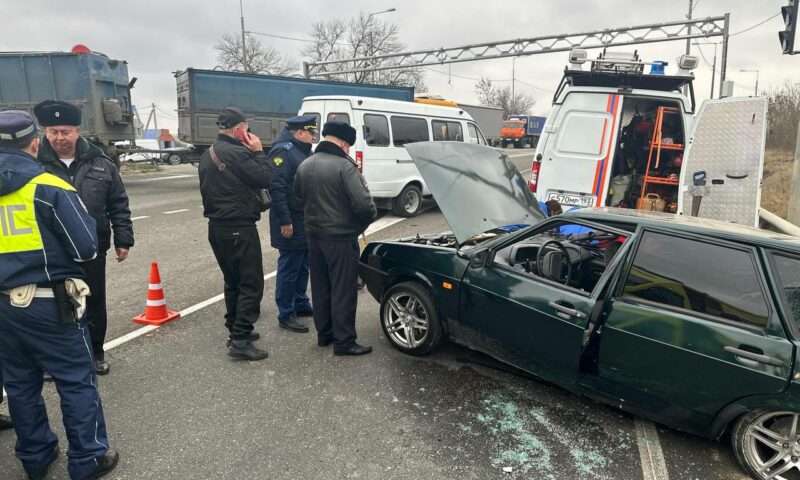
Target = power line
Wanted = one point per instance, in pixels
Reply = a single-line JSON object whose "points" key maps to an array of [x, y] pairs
{"points": [[307, 40], [476, 79], [754, 26]]}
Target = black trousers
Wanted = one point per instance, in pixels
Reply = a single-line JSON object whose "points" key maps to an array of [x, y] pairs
{"points": [[238, 253], [334, 291], [96, 312]]}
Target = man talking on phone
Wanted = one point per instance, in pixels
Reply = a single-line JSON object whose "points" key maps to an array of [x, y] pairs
{"points": [[232, 173]]}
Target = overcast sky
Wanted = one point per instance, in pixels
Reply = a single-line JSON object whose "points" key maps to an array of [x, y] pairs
{"points": [[157, 38]]}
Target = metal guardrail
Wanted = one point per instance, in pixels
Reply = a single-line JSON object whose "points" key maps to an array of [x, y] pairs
{"points": [[777, 223]]}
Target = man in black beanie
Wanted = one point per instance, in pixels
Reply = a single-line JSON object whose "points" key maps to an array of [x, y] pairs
{"points": [[67, 155], [338, 208]]}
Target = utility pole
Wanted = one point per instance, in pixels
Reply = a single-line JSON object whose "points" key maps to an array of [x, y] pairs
{"points": [[244, 49], [688, 43], [713, 71], [155, 125], [513, 81], [794, 193], [372, 62]]}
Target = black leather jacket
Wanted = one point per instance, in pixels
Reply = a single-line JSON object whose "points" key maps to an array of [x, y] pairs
{"points": [[226, 201], [99, 186], [334, 195]]}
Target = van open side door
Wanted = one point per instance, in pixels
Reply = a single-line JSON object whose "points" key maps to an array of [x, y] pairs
{"points": [[723, 167]]}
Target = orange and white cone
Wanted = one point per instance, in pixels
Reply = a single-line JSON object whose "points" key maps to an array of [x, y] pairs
{"points": [[155, 313]]}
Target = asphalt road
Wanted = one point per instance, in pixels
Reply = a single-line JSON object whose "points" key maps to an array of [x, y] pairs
{"points": [[177, 407]]}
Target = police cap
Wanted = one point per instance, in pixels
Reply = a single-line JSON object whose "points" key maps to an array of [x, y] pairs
{"points": [[51, 113], [301, 122], [340, 130], [229, 117], [16, 126]]}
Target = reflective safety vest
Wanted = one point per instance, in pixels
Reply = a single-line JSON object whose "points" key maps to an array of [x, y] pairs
{"points": [[44, 232]]}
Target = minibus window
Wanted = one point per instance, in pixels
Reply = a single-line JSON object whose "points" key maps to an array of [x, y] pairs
{"points": [[409, 130], [376, 130], [338, 117]]}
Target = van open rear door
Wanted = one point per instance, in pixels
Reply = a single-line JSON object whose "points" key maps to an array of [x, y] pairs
{"points": [[723, 166]]}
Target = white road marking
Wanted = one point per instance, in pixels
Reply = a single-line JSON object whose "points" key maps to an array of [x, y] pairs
{"points": [[140, 217], [654, 467], [380, 224], [176, 211], [157, 179]]}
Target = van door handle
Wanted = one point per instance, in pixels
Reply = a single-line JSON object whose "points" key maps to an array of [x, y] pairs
{"points": [[753, 357], [567, 310]]}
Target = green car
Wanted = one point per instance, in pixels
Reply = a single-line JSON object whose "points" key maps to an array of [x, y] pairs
{"points": [[692, 323]]}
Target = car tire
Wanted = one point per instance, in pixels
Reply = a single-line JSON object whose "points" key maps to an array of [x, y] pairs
{"points": [[404, 329], [748, 445], [503, 144], [408, 203], [174, 159]]}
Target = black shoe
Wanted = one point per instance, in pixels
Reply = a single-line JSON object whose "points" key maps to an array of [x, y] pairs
{"points": [[324, 342], [293, 325], [354, 349], [305, 313], [253, 337], [105, 464], [5, 422], [101, 367], [41, 474], [245, 350]]}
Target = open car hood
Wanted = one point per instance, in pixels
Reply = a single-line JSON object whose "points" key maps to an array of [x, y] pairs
{"points": [[476, 187]]}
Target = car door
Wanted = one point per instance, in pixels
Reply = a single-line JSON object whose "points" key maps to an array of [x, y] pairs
{"points": [[524, 319], [688, 330]]}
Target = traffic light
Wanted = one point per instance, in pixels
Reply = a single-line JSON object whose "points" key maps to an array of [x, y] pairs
{"points": [[789, 13]]}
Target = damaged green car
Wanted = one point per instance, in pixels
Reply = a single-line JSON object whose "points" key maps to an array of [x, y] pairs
{"points": [[692, 323]]}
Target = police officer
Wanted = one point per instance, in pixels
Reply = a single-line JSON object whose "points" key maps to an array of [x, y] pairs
{"points": [[231, 173], [338, 208], [286, 224], [67, 155], [45, 233]]}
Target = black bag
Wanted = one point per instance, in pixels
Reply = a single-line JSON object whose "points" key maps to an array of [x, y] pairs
{"points": [[262, 195]]}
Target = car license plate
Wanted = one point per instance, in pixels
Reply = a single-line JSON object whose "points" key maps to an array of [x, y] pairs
{"points": [[571, 199]]}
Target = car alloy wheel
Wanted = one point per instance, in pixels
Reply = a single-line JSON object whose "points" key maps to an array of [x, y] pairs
{"points": [[174, 159], [409, 318], [406, 320], [767, 444]]}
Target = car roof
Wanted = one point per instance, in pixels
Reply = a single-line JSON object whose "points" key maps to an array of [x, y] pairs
{"points": [[395, 106], [702, 226]]}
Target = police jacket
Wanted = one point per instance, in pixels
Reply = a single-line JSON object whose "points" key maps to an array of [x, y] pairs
{"points": [[285, 156], [99, 185], [335, 199], [44, 229], [226, 201]]}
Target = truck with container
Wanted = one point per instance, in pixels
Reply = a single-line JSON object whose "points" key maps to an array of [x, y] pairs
{"points": [[96, 83], [521, 131], [266, 100], [617, 136]]}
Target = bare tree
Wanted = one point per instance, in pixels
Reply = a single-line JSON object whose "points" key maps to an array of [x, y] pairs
{"points": [[783, 116], [260, 58], [491, 96], [361, 36]]}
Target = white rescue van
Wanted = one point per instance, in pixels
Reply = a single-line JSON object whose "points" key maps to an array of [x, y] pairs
{"points": [[617, 136], [383, 127]]}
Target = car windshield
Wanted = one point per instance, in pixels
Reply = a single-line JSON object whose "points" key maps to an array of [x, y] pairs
{"points": [[512, 124]]}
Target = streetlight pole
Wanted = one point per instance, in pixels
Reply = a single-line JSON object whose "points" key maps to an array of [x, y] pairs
{"points": [[371, 33], [513, 80], [756, 72], [244, 50]]}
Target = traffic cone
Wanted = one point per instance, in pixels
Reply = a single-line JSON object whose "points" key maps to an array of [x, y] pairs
{"points": [[155, 313]]}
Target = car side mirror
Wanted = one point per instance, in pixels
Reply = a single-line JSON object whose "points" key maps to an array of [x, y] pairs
{"points": [[480, 259]]}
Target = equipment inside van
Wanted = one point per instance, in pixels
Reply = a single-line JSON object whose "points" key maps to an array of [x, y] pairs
{"points": [[383, 129], [622, 137]]}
